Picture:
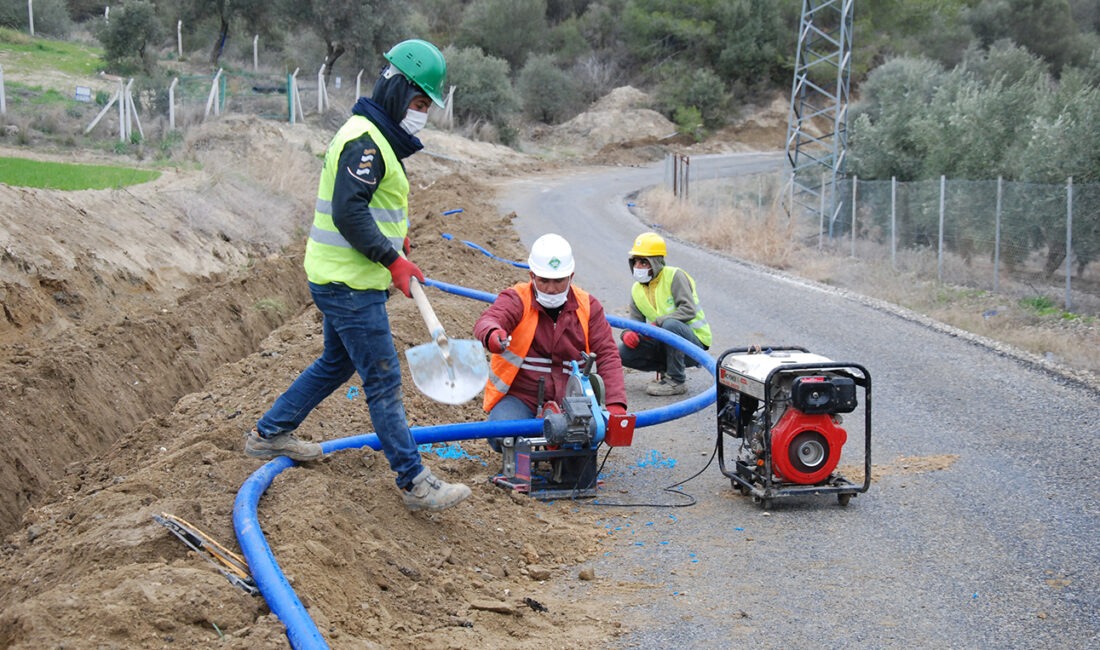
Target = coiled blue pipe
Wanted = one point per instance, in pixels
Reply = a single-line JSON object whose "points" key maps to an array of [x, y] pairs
{"points": [[301, 631]]}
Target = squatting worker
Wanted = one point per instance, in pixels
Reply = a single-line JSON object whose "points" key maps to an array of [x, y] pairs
{"points": [[354, 252], [664, 296], [535, 329]]}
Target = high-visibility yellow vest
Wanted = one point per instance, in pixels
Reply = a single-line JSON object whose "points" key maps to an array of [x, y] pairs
{"points": [[329, 257], [504, 367], [657, 301]]}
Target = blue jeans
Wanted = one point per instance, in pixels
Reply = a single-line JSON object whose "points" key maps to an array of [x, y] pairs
{"points": [[508, 408], [651, 354], [357, 339]]}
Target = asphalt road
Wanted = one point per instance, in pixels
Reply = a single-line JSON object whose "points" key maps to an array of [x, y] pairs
{"points": [[980, 529]]}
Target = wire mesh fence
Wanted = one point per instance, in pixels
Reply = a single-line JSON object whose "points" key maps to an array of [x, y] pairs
{"points": [[1018, 239]]}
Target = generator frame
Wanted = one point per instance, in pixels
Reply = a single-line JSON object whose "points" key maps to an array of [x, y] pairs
{"points": [[760, 482]]}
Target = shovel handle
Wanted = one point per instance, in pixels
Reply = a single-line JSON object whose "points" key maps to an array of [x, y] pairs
{"points": [[426, 311]]}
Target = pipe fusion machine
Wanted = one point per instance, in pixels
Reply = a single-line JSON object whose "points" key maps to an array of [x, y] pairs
{"points": [[562, 462]]}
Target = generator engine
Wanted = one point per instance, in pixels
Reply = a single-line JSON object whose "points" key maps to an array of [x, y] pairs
{"points": [[786, 407]]}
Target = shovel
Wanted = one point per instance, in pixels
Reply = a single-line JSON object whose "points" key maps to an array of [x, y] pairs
{"points": [[446, 370]]}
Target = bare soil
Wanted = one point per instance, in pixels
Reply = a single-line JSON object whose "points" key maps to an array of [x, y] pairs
{"points": [[144, 330]]}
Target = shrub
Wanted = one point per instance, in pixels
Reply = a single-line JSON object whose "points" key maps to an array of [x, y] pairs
{"points": [[130, 38], [482, 88], [547, 93], [699, 88], [51, 17]]}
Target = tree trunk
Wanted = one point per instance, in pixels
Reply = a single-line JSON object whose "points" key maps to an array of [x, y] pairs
{"points": [[333, 51], [219, 45]]}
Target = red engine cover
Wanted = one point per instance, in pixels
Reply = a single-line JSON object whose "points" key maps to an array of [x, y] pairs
{"points": [[805, 448]]}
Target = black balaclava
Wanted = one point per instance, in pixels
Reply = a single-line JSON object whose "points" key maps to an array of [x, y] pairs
{"points": [[386, 107], [395, 94]]}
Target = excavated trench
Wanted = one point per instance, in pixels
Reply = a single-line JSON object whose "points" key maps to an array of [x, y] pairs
{"points": [[69, 397]]}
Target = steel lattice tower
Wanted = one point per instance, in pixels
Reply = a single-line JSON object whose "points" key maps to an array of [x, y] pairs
{"points": [[817, 129]]}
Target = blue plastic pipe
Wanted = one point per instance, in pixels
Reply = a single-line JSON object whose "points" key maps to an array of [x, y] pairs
{"points": [[301, 631]]}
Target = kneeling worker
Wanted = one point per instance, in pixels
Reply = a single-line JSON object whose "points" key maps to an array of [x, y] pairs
{"points": [[535, 329], [664, 296]]}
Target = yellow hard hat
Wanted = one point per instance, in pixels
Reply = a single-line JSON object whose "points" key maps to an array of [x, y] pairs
{"points": [[648, 244]]}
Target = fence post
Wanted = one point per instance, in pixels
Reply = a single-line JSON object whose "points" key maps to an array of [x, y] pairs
{"points": [[128, 109], [820, 213], [132, 111], [855, 180], [939, 247], [179, 39], [358, 86], [212, 96], [172, 103], [256, 53], [3, 97], [30, 14], [1069, 243], [894, 222], [321, 89], [291, 86], [997, 236], [121, 111], [449, 109]]}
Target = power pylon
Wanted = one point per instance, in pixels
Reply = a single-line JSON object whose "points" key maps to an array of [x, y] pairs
{"points": [[817, 125]]}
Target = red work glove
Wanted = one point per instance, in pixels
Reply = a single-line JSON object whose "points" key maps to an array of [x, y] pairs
{"points": [[616, 409], [498, 341], [631, 339], [407, 246], [402, 269]]}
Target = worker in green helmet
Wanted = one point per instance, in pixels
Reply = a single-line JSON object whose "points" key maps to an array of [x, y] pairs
{"points": [[359, 246], [663, 296]]}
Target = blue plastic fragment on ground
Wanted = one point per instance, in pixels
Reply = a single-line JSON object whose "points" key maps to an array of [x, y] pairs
{"points": [[353, 392], [449, 451], [656, 459], [455, 211]]}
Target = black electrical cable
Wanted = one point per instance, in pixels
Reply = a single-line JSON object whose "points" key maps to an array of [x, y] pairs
{"points": [[670, 489]]}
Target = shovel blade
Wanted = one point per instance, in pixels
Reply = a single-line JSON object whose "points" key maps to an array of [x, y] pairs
{"points": [[453, 378]]}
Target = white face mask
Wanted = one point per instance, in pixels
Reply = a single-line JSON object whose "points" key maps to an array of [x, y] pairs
{"points": [[643, 275], [414, 121], [551, 300]]}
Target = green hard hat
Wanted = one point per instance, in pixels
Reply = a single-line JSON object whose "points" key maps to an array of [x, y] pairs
{"points": [[423, 64]]}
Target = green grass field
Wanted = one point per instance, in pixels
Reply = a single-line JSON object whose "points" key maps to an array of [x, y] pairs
{"points": [[39, 54], [67, 176]]}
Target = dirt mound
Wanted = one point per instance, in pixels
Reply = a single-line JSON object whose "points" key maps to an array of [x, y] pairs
{"points": [[620, 117], [146, 329]]}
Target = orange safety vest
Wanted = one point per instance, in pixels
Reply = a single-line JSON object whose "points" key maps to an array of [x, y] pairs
{"points": [[504, 367]]}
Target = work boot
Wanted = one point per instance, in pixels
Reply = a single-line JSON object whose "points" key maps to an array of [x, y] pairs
{"points": [[427, 492], [283, 444], [665, 387]]}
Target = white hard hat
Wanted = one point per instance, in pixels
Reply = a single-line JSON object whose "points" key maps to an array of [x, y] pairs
{"points": [[551, 257]]}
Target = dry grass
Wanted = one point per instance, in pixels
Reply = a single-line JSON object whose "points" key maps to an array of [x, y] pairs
{"points": [[759, 230]]}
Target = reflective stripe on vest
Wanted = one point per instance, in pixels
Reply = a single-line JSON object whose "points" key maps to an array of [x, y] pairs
{"points": [[663, 303], [329, 257], [503, 368]]}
